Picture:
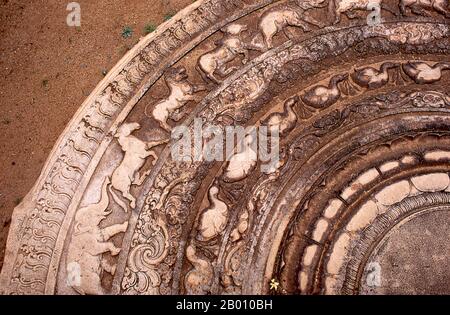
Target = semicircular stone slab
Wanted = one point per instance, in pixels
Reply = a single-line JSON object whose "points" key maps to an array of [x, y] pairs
{"points": [[146, 193]]}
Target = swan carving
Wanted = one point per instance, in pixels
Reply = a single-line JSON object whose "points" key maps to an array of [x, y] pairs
{"points": [[322, 96], [421, 72], [284, 121], [242, 163], [213, 219], [372, 78]]}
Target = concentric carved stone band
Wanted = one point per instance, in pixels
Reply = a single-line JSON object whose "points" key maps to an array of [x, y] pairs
{"points": [[357, 205]]}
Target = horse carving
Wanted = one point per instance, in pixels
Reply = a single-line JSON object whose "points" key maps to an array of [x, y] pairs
{"points": [[228, 48], [181, 92], [127, 173]]}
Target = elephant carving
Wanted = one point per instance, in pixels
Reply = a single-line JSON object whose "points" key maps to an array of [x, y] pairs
{"points": [[348, 7], [85, 263], [421, 7], [281, 16]]}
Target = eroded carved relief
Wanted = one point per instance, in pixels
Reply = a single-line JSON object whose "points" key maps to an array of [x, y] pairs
{"points": [[279, 17], [422, 7], [372, 78], [181, 92], [127, 173], [283, 122], [349, 6], [235, 268], [228, 48], [421, 72], [85, 263], [142, 276], [256, 224], [213, 220], [243, 162], [324, 96], [198, 279]]}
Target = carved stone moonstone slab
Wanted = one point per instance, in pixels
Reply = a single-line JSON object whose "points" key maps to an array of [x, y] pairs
{"points": [[357, 204]]}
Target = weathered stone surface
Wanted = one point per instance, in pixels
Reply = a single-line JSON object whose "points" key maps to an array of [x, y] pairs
{"points": [[388, 166], [320, 229], [406, 270], [393, 193], [437, 155], [363, 114], [338, 254], [332, 209], [431, 182], [363, 217], [309, 254]]}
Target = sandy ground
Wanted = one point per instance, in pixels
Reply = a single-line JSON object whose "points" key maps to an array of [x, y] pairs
{"points": [[47, 69]]}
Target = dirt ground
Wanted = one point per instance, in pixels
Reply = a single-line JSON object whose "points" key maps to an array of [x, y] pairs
{"points": [[47, 69]]}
